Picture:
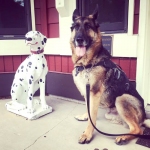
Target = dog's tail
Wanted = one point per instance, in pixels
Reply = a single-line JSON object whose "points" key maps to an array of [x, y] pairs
{"points": [[147, 123]]}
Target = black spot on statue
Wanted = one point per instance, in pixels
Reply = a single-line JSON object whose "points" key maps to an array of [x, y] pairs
{"points": [[22, 67], [35, 67], [31, 94], [16, 99], [22, 70], [30, 63], [12, 91], [14, 84], [38, 47], [40, 80], [20, 84], [25, 90], [42, 42], [42, 56], [45, 39], [43, 65], [30, 98], [31, 76], [21, 79], [18, 71], [26, 70], [30, 82]]}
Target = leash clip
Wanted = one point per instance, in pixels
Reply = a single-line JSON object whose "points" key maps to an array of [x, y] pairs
{"points": [[87, 77], [87, 74], [77, 71]]}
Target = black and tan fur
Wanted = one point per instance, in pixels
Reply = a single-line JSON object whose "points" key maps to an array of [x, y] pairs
{"points": [[85, 33]]}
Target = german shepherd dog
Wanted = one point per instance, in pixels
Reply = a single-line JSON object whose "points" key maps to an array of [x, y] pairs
{"points": [[108, 87]]}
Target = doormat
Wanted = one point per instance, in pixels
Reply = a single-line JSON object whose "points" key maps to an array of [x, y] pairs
{"points": [[144, 142]]}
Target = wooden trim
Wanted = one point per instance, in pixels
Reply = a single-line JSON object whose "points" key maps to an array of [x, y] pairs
{"points": [[44, 17], [2, 69], [64, 64], [136, 7], [16, 62], [56, 84], [8, 63]]}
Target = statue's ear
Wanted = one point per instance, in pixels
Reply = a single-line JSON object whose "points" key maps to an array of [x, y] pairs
{"points": [[75, 14], [45, 39], [95, 13]]}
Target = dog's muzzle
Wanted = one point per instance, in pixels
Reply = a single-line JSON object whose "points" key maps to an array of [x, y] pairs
{"points": [[79, 41], [28, 39]]}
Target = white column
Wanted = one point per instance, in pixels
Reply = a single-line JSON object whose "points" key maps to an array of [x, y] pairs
{"points": [[143, 52], [32, 14]]}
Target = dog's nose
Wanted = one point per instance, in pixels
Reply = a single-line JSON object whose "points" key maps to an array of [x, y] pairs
{"points": [[29, 39], [79, 40]]}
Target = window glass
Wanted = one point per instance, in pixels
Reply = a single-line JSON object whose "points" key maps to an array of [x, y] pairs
{"points": [[112, 13], [14, 17]]}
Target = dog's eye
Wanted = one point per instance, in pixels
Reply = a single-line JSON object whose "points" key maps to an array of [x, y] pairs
{"points": [[76, 26], [87, 26]]}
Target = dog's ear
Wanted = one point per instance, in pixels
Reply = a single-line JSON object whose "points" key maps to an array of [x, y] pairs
{"points": [[95, 13], [75, 14]]}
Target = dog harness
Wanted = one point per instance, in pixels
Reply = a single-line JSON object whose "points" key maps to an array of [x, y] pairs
{"points": [[125, 85], [106, 63]]}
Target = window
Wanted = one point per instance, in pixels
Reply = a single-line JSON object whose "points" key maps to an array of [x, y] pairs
{"points": [[15, 18], [113, 14]]}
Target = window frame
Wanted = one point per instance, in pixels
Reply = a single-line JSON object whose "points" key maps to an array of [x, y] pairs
{"points": [[109, 28], [17, 33]]}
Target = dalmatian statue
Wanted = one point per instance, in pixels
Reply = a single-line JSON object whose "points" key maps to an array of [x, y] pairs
{"points": [[31, 74]]}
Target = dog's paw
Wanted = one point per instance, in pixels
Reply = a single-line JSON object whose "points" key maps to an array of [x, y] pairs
{"points": [[16, 106], [45, 106], [83, 117], [30, 110], [37, 101], [122, 140], [85, 138]]}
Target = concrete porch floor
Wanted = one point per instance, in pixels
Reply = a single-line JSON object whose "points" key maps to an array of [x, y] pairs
{"points": [[57, 130]]}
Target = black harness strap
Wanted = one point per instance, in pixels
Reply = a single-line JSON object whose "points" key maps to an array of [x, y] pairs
{"points": [[81, 68], [108, 64], [118, 72]]}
